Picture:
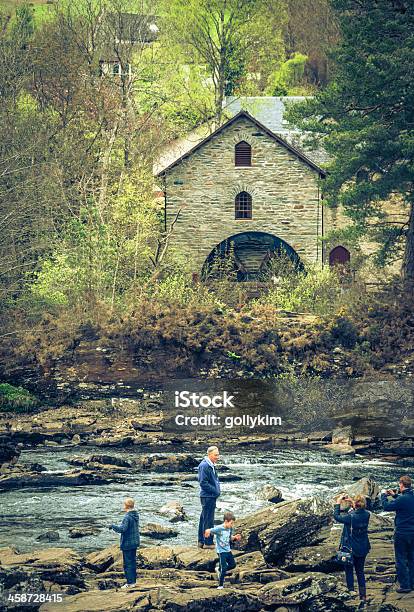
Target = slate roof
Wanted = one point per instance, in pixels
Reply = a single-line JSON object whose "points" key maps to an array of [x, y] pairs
{"points": [[266, 111]]}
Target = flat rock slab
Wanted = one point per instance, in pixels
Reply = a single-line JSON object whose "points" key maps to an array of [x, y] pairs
{"points": [[46, 558], [100, 601], [45, 479], [203, 599], [297, 590]]}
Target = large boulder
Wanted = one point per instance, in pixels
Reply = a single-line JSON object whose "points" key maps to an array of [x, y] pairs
{"points": [[279, 529], [365, 486], [174, 510], [270, 493]]}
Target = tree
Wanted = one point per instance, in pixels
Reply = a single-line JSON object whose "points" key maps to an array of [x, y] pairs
{"points": [[312, 30], [214, 33], [364, 119]]}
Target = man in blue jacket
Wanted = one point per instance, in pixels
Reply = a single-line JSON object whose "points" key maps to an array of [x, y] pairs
{"points": [[209, 492], [130, 540], [403, 506]]}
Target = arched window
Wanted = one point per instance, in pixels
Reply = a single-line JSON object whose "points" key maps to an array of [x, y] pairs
{"points": [[242, 154], [243, 205], [339, 256]]}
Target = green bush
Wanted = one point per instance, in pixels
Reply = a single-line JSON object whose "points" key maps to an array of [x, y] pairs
{"points": [[316, 290], [16, 399]]}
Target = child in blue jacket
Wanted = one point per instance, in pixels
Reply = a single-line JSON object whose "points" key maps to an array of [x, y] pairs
{"points": [[224, 537]]}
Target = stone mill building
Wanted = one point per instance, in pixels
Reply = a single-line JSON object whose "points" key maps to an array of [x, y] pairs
{"points": [[248, 189]]}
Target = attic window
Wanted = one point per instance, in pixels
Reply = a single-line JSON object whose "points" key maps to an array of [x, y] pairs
{"points": [[243, 205], [242, 154]]}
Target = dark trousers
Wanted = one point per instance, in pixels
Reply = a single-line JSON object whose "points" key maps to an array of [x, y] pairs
{"points": [[208, 507], [130, 565], [404, 559], [358, 564], [226, 563]]}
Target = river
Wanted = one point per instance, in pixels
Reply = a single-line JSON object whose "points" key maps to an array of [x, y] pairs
{"points": [[297, 472]]}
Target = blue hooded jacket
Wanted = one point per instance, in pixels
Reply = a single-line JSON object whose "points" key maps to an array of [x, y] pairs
{"points": [[208, 479], [129, 530]]}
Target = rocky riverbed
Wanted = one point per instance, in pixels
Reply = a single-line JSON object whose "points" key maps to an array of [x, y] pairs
{"points": [[65, 471], [285, 561]]}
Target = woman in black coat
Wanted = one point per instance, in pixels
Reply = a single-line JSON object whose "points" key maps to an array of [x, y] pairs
{"points": [[359, 517]]}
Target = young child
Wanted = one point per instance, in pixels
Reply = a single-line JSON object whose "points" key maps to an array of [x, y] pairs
{"points": [[130, 540], [224, 538]]}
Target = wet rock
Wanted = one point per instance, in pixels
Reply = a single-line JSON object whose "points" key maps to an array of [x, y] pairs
{"points": [[45, 479], [111, 460], [281, 528], [174, 510], [270, 493], [167, 463], [49, 536], [9, 453], [158, 532], [83, 532]]}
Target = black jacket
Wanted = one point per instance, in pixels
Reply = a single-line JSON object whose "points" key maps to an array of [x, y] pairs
{"points": [[359, 541], [403, 506]]}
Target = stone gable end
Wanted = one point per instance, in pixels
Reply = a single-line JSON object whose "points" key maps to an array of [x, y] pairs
{"points": [[284, 190]]}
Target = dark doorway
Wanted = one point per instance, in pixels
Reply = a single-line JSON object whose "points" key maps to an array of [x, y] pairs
{"points": [[339, 256]]}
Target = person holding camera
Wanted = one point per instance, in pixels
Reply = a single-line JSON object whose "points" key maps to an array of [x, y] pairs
{"points": [[403, 506], [355, 539]]}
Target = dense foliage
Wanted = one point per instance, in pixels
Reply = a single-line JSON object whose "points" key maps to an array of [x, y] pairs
{"points": [[364, 118]]}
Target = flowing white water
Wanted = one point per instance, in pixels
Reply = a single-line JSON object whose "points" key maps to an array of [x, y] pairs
{"points": [[300, 472]]}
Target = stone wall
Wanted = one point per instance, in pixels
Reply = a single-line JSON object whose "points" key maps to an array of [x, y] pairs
{"points": [[283, 187]]}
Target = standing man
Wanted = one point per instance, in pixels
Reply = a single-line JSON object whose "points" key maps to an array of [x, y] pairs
{"points": [[209, 492], [403, 506]]}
